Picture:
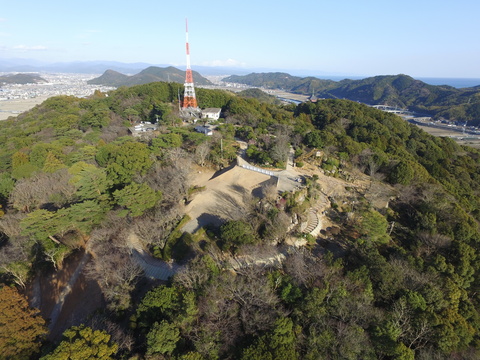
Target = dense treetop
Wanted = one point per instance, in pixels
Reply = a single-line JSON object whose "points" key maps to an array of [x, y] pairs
{"points": [[21, 328]]}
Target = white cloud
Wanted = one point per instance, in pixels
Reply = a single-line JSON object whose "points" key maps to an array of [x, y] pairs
{"points": [[30, 48], [3, 19], [226, 63]]}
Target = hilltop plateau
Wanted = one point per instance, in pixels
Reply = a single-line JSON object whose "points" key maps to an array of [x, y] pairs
{"points": [[324, 230]]}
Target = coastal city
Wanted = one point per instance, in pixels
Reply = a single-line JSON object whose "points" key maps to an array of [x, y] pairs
{"points": [[17, 98], [56, 84]]}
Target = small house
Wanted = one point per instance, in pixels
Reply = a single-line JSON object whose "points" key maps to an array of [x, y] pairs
{"points": [[211, 113]]}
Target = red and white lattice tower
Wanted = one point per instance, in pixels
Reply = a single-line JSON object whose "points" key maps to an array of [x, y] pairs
{"points": [[189, 100]]}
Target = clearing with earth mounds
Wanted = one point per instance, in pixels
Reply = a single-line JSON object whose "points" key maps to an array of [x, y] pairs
{"points": [[224, 195]]}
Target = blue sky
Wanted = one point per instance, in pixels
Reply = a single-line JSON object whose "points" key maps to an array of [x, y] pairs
{"points": [[421, 38]]}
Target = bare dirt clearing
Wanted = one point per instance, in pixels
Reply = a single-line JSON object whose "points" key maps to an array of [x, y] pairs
{"points": [[224, 195], [15, 107]]}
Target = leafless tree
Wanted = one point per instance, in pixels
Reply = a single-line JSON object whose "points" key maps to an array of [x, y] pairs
{"points": [[296, 139], [116, 272], [172, 180], [115, 129], [258, 304], [201, 153], [369, 161], [112, 264], [277, 229], [10, 224], [233, 306], [413, 331], [343, 122], [379, 193], [176, 155], [120, 336], [155, 226], [192, 276], [412, 278], [270, 192], [372, 167], [231, 120], [280, 148], [303, 267], [220, 319], [433, 242], [30, 194], [113, 229]]}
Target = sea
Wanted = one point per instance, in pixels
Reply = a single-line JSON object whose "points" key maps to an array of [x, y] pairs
{"points": [[455, 82]]}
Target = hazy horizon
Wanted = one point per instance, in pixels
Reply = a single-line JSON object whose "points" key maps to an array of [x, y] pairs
{"points": [[458, 82]]}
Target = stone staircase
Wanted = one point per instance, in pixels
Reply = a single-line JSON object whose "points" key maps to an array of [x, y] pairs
{"points": [[314, 223]]}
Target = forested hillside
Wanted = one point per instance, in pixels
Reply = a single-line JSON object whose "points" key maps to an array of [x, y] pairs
{"points": [[394, 90], [287, 82], [148, 75], [391, 282], [21, 79]]}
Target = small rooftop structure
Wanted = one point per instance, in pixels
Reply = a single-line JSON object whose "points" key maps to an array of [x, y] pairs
{"points": [[211, 113], [204, 130]]}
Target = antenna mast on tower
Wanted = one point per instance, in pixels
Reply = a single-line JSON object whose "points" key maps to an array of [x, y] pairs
{"points": [[189, 100]]}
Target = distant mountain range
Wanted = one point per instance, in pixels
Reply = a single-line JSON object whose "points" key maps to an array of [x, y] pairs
{"points": [[98, 67], [21, 79], [148, 75], [78, 67], [395, 90], [439, 101]]}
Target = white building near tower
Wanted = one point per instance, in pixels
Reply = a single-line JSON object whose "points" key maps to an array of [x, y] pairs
{"points": [[211, 113]]}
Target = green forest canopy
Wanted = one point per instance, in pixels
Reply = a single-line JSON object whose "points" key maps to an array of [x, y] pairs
{"points": [[402, 291]]}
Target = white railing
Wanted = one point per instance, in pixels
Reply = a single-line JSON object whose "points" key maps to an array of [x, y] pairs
{"points": [[260, 170]]}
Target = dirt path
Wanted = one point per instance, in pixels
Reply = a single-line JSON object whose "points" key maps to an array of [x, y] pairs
{"points": [[153, 268]]}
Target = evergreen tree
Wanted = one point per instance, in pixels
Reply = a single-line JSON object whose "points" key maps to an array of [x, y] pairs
{"points": [[81, 342]]}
